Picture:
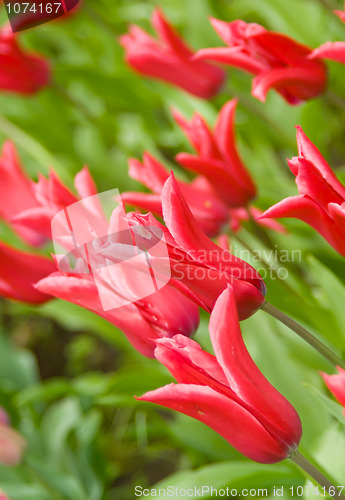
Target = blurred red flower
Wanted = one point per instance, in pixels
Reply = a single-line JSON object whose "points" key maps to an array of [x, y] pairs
{"points": [[21, 72], [331, 50], [336, 384], [169, 59], [276, 60]]}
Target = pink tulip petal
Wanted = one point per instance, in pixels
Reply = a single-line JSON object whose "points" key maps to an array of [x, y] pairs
{"points": [[336, 384]]}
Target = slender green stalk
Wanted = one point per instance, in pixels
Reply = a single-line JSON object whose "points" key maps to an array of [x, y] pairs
{"points": [[327, 486], [73, 102], [260, 231], [319, 346], [335, 99]]}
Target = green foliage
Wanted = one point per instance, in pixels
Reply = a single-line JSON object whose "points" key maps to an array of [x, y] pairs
{"points": [[67, 377]]}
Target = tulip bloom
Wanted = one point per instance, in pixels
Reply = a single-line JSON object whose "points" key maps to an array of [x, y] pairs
{"points": [[336, 384], [217, 158], [12, 444], [321, 202], [199, 268], [227, 391], [169, 59], [331, 50], [19, 271], [20, 72], [210, 213], [276, 60], [30, 212]]}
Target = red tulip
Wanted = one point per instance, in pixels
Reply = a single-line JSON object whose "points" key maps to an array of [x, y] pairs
{"points": [[12, 444], [169, 59], [210, 213], [198, 267], [336, 384], [19, 271], [217, 157], [321, 202], [20, 72], [227, 391], [331, 50], [276, 60]]}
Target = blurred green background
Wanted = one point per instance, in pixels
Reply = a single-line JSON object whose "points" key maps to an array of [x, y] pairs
{"points": [[67, 378]]}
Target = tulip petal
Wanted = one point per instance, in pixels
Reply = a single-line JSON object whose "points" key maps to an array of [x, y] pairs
{"points": [[233, 57], [151, 172], [36, 219], [199, 135], [144, 201], [19, 271], [222, 181], [191, 238], [307, 210], [310, 82], [310, 182], [225, 137], [336, 384], [168, 35], [330, 50], [310, 152], [85, 184], [225, 416], [244, 377], [83, 292], [188, 363]]}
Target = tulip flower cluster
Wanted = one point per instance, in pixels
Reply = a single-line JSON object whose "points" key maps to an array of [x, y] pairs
{"points": [[226, 391]]}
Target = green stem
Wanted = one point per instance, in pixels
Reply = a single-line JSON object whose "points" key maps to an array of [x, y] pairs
{"points": [[313, 472], [329, 4], [33, 147], [304, 334], [334, 99], [73, 102]]}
